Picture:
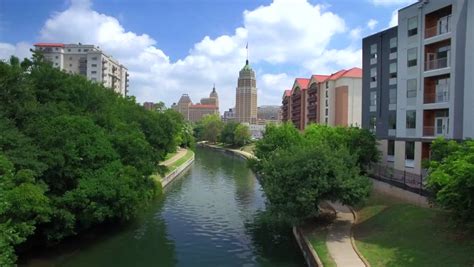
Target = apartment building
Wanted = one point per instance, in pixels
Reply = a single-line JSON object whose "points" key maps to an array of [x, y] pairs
{"points": [[434, 81], [334, 100], [89, 61]]}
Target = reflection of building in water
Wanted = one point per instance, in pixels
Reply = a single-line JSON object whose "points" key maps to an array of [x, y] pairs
{"points": [[194, 112]]}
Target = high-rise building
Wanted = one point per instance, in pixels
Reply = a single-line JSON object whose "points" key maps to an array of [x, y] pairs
{"points": [[89, 61], [246, 96], [229, 115], [195, 112], [418, 81], [334, 100], [149, 105]]}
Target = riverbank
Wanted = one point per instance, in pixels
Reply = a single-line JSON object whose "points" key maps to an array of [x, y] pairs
{"points": [[176, 164], [393, 232], [238, 152]]}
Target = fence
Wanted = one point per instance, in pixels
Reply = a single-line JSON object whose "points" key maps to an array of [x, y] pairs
{"points": [[405, 180]]}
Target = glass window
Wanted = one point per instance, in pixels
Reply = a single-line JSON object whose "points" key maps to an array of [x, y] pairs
{"points": [[327, 112], [78, 50], [412, 26], [411, 88], [393, 43], [85, 50], [411, 119], [373, 74], [392, 121], [327, 103], [412, 57], [393, 70], [93, 72], [391, 148], [326, 93], [373, 122], [373, 49], [327, 85], [373, 98], [94, 58], [392, 96], [326, 120], [93, 65], [410, 150]]}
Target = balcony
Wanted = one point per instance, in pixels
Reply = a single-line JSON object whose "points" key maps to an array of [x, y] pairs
{"points": [[442, 27], [437, 63], [436, 123], [436, 89], [438, 97], [438, 22]]}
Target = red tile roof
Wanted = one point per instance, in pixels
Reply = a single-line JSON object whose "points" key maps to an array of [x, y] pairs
{"points": [[202, 106], [319, 78], [49, 44], [350, 73], [303, 83], [287, 92]]}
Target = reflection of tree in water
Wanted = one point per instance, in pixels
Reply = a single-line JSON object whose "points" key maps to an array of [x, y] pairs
{"points": [[273, 240]]}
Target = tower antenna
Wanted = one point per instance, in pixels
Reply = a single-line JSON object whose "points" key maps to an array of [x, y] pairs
{"points": [[247, 47]]}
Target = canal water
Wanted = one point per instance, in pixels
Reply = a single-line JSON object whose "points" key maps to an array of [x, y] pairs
{"points": [[210, 216]]}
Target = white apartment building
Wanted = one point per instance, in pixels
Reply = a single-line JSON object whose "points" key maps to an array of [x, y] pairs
{"points": [[89, 61]]}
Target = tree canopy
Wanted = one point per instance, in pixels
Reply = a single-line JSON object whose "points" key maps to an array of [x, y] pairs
{"points": [[73, 153], [299, 170]]}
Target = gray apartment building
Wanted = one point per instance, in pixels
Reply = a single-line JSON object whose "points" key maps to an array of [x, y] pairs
{"points": [[418, 81]]}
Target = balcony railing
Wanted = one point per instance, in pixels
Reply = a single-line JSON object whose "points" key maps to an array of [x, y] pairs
{"points": [[432, 131], [442, 26], [438, 63], [438, 97]]}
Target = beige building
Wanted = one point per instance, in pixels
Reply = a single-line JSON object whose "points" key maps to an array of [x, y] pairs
{"points": [[195, 112], [89, 61], [246, 96]]}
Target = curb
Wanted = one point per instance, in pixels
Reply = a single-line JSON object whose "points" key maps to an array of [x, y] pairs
{"points": [[313, 257], [354, 247]]}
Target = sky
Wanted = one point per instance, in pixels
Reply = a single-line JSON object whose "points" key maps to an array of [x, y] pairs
{"points": [[171, 47]]}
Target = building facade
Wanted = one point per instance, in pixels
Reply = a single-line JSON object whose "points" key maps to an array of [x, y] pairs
{"points": [[429, 91], [334, 100], [89, 61], [246, 96], [195, 112]]}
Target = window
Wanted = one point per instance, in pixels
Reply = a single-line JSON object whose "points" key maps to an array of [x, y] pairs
{"points": [[70, 58], [411, 88], [327, 112], [393, 70], [94, 58], [326, 120], [412, 57], [70, 65], [373, 74], [327, 85], [85, 50], [411, 119], [94, 79], [327, 103], [78, 50], [412, 26], [373, 98], [392, 121], [373, 54], [56, 49], [93, 65], [391, 148], [393, 45], [56, 57], [392, 96], [69, 50], [372, 123], [327, 95], [410, 150], [93, 72]]}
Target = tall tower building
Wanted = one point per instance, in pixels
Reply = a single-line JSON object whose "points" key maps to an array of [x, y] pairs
{"points": [[246, 96]]}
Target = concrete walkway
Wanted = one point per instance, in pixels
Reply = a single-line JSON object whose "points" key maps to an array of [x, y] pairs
{"points": [[339, 238], [181, 152]]}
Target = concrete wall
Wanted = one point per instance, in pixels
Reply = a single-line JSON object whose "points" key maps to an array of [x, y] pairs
{"points": [[468, 126]]}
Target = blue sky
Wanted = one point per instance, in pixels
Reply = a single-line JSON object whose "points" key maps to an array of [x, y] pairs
{"points": [[184, 46]]}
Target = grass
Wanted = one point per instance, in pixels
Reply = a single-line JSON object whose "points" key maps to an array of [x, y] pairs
{"points": [[175, 164], [317, 238], [391, 232], [249, 148]]}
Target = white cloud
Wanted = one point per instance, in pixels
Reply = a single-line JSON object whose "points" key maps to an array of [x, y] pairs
{"points": [[391, 2], [284, 33], [394, 20], [21, 50], [372, 23]]}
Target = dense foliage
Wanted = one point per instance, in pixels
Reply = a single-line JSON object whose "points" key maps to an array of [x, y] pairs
{"points": [[451, 177], [235, 134], [209, 128], [299, 170], [73, 154]]}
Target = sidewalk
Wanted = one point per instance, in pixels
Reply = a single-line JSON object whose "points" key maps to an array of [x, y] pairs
{"points": [[339, 238], [181, 152]]}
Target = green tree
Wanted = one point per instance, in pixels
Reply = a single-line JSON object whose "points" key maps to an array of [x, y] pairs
{"points": [[227, 134], [241, 135], [212, 128], [451, 177]]}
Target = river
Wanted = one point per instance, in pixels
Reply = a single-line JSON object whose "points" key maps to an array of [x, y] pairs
{"points": [[207, 217]]}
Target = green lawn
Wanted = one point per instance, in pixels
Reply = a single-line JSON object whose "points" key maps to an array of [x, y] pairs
{"points": [[317, 238], [393, 233], [175, 164]]}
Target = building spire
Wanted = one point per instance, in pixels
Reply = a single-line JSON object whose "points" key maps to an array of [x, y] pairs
{"points": [[214, 88], [247, 47]]}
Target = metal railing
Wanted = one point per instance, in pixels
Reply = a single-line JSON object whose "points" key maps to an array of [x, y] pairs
{"points": [[402, 179], [436, 97], [438, 63], [432, 131]]}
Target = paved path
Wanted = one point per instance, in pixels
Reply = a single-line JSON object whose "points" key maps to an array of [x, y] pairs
{"points": [[181, 153], [339, 238]]}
